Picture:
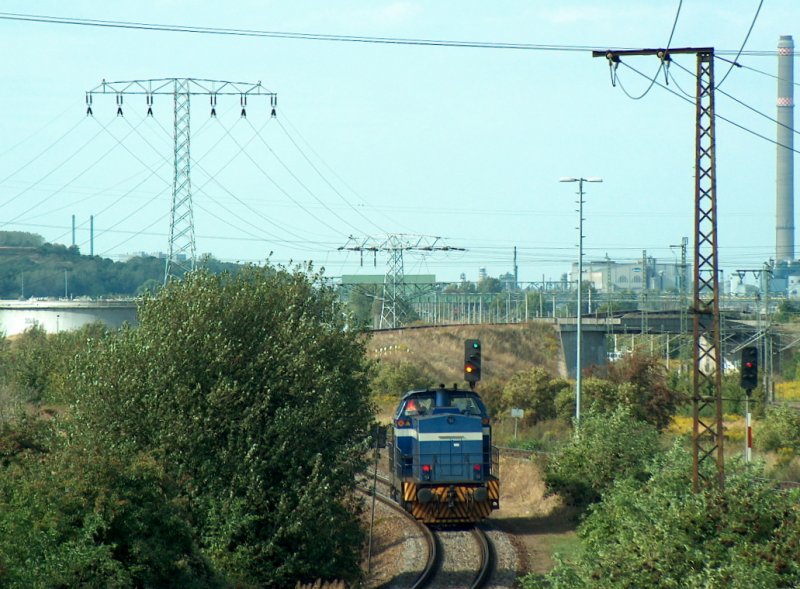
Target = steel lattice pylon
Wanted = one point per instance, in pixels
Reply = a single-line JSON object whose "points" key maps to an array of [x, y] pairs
{"points": [[181, 226], [707, 440], [392, 310], [182, 255], [707, 357], [394, 287]]}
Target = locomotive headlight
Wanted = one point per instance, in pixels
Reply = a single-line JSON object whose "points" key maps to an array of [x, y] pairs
{"points": [[476, 472]]}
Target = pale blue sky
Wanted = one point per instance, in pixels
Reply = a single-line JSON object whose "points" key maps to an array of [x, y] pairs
{"points": [[467, 144]]}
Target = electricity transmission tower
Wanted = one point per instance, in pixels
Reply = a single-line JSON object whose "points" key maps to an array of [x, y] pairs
{"points": [[394, 287], [182, 255], [707, 429]]}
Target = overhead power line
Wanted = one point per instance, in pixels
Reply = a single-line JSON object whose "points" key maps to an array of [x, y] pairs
{"points": [[717, 115], [169, 28], [746, 37]]}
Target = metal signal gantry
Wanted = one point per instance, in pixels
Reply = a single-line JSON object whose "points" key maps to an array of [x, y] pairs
{"points": [[182, 254], [707, 440], [392, 304]]}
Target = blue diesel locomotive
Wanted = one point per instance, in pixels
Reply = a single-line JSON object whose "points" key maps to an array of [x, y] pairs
{"points": [[444, 469]]}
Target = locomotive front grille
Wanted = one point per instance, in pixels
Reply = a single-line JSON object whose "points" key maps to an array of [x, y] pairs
{"points": [[451, 503]]}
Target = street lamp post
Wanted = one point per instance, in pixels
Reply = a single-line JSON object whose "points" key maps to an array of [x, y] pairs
{"points": [[579, 321]]}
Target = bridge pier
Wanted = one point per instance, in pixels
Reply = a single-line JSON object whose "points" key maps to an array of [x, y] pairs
{"points": [[593, 345]]}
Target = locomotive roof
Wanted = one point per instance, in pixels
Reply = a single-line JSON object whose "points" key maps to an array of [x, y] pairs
{"points": [[432, 391]]}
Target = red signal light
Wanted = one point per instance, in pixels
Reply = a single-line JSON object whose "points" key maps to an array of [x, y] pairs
{"points": [[476, 467], [426, 468]]}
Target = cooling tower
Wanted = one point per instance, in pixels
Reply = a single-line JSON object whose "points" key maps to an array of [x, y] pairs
{"points": [[784, 209]]}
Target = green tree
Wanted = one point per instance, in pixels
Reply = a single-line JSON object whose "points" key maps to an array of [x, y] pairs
{"points": [[641, 384], [534, 391], [28, 363], [253, 393], [463, 287], [658, 533], [364, 302], [603, 447], [36, 364], [88, 519], [788, 311], [489, 285], [780, 428], [393, 379]]}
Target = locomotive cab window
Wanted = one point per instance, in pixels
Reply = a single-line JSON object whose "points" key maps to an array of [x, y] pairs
{"points": [[419, 405], [468, 404]]}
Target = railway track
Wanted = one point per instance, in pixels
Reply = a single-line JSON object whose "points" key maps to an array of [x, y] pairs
{"points": [[432, 563], [452, 553]]}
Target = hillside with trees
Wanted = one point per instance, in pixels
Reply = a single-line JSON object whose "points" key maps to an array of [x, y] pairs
{"points": [[29, 267]]}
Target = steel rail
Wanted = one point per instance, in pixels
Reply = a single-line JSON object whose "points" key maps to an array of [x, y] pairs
{"points": [[487, 559], [432, 562]]}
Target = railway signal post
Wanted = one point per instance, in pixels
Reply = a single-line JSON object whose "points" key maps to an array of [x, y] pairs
{"points": [[472, 361], [748, 381]]}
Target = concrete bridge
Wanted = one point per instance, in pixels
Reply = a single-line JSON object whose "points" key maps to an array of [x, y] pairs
{"points": [[596, 329]]}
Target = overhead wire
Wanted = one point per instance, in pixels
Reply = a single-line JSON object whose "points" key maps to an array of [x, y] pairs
{"points": [[738, 53], [213, 178], [53, 194], [302, 244], [148, 167], [758, 71], [678, 86], [284, 117], [115, 24], [325, 179], [746, 37], [199, 189], [71, 155], [30, 136], [744, 104], [301, 183], [241, 149], [716, 115], [136, 234], [664, 65], [286, 193]]}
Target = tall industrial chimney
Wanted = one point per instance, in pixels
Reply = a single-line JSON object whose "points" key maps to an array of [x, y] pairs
{"points": [[784, 209]]}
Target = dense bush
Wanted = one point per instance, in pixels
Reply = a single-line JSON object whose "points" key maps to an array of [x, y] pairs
{"points": [[232, 381], [199, 449], [78, 519], [534, 391], [640, 384], [658, 533], [36, 364], [780, 428], [603, 448]]}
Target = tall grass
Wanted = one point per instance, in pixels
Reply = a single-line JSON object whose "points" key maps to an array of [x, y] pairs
{"points": [[788, 391]]}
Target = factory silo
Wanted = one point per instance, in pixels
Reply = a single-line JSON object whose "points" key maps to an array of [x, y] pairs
{"points": [[784, 210]]}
